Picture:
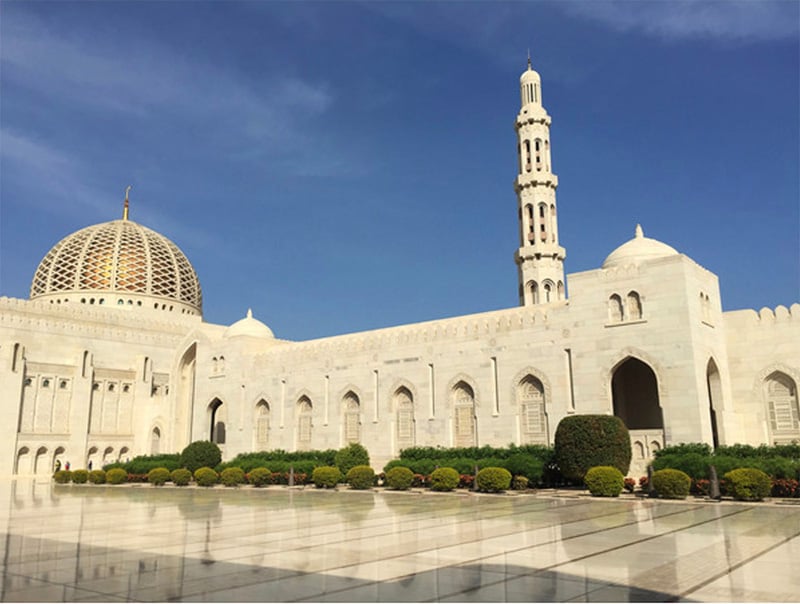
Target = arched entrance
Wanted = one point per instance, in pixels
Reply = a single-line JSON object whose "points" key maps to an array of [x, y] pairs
{"points": [[217, 422], [634, 389], [714, 398]]}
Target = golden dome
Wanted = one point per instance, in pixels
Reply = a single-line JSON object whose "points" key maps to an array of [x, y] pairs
{"points": [[130, 265]]}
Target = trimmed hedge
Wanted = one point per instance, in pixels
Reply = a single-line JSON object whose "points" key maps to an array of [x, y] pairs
{"points": [[279, 460], [351, 456], [80, 476], [200, 454], [62, 476], [97, 477], [672, 484], [444, 479], [116, 476], [399, 478], [258, 477], [232, 477], [585, 441], [205, 477], [180, 477], [604, 481], [523, 464], [326, 477], [748, 484], [158, 476], [493, 480], [361, 477]]}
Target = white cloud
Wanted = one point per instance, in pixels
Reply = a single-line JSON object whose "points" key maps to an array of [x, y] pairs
{"points": [[734, 20], [146, 78]]}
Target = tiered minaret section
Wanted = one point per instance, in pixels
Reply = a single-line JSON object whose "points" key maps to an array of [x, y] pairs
{"points": [[540, 259]]}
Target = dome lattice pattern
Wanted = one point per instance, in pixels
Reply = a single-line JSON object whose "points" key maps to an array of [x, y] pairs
{"points": [[118, 256]]}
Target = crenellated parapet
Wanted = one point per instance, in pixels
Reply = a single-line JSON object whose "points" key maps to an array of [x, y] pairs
{"points": [[102, 323], [764, 317], [466, 328]]}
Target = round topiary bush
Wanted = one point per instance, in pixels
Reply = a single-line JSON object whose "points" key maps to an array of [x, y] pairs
{"points": [[62, 476], [80, 476], [585, 441], [205, 477], [158, 476], [519, 483], [748, 484], [232, 477], [97, 477], [604, 481], [116, 476], [180, 477], [326, 477], [361, 477], [200, 454], [493, 480], [444, 479], [672, 484], [258, 477], [351, 456], [399, 478]]}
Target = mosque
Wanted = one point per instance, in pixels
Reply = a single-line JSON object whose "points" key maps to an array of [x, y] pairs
{"points": [[110, 357]]}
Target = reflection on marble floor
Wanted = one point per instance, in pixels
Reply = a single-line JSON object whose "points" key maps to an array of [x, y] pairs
{"points": [[88, 543]]}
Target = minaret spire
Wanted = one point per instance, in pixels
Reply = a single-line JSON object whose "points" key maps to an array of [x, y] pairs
{"points": [[539, 258], [125, 207]]}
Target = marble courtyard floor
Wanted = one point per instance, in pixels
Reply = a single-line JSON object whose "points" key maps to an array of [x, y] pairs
{"points": [[87, 543]]}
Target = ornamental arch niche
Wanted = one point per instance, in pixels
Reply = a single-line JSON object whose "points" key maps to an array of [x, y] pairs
{"points": [[261, 422], [783, 412], [351, 418], [530, 398], [462, 399], [405, 421], [304, 410], [634, 391]]}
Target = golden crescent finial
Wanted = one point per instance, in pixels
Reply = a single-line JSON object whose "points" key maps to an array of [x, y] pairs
{"points": [[125, 208]]}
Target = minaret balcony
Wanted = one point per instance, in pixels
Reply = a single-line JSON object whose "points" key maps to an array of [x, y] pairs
{"points": [[535, 179]]}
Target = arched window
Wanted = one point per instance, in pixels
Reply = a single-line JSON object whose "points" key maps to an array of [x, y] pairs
{"points": [[560, 290], [538, 147], [463, 415], [217, 422], [533, 292], [304, 425], [782, 407], [547, 288], [351, 410], [155, 441], [527, 145], [262, 425], [532, 417], [614, 309], [634, 306], [404, 418]]}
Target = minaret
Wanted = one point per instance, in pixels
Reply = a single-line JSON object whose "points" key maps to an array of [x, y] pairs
{"points": [[540, 259]]}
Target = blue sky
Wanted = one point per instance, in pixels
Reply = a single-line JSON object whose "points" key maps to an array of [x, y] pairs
{"points": [[343, 166]]}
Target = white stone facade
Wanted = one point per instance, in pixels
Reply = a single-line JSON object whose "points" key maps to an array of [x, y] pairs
{"points": [[643, 337]]}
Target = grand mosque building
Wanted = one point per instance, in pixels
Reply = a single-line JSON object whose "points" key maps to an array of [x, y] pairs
{"points": [[110, 357]]}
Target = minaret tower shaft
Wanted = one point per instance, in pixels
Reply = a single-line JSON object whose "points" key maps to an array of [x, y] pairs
{"points": [[540, 259]]}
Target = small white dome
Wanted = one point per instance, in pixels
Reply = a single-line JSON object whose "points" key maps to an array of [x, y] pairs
{"points": [[637, 250], [249, 327]]}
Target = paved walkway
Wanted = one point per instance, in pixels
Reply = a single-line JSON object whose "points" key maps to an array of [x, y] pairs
{"points": [[74, 543]]}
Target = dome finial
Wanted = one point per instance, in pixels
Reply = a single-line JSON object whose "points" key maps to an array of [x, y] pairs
{"points": [[529, 59], [249, 313], [639, 232], [125, 207]]}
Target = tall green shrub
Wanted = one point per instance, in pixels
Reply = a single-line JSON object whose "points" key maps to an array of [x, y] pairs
{"points": [[351, 456], [585, 441], [200, 454]]}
